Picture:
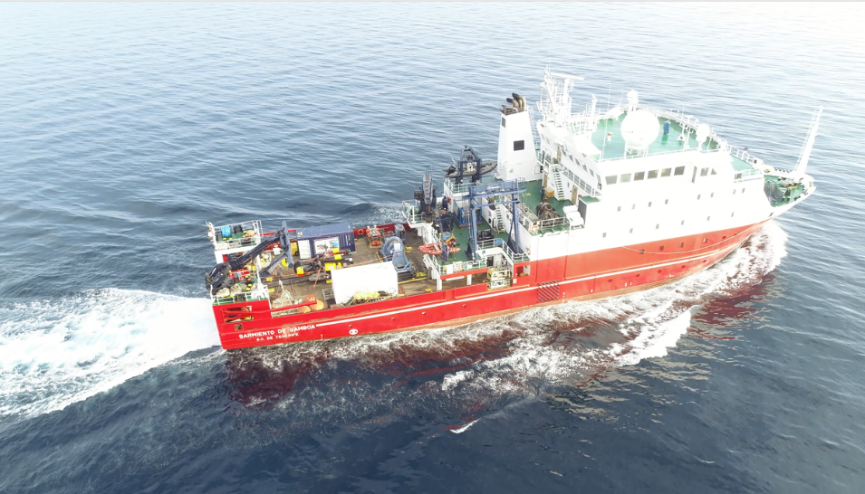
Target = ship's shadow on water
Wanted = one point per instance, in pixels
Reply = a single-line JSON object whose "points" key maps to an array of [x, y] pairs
{"points": [[457, 375]]}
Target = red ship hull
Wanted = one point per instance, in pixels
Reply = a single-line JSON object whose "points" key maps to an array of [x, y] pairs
{"points": [[584, 276]]}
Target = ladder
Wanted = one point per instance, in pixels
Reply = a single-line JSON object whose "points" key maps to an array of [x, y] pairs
{"points": [[557, 183], [500, 218]]}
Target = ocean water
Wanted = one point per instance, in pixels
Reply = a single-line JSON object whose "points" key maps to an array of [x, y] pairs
{"points": [[123, 127]]}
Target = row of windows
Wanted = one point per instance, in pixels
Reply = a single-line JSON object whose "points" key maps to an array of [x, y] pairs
{"points": [[658, 225], [626, 177]]}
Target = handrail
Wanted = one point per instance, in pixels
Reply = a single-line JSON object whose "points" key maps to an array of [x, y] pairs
{"points": [[534, 226], [409, 211], [616, 158], [237, 243]]}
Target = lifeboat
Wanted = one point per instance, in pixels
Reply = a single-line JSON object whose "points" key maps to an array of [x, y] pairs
{"points": [[435, 249]]}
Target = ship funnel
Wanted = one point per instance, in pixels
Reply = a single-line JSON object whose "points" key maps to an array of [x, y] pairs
{"points": [[805, 155]]}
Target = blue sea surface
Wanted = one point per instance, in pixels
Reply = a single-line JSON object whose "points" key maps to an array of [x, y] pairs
{"points": [[124, 127]]}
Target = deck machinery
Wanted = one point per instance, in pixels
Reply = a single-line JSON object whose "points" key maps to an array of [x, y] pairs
{"points": [[581, 205]]}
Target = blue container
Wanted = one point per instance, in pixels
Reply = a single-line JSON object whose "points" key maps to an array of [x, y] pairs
{"points": [[226, 231], [666, 127], [342, 231]]}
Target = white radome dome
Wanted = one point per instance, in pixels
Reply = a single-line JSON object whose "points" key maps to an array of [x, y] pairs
{"points": [[639, 129]]}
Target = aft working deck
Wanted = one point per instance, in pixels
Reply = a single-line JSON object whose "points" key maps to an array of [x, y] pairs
{"points": [[285, 288]]}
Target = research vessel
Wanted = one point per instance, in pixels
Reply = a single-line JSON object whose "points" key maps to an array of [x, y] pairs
{"points": [[576, 206]]}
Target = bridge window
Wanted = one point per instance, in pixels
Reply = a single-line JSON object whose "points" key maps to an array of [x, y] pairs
{"points": [[680, 170], [639, 176], [611, 180], [666, 172], [681, 244], [661, 248], [625, 178], [519, 145], [704, 172], [653, 174]]}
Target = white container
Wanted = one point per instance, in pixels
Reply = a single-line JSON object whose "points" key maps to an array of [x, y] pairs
{"points": [[380, 276]]}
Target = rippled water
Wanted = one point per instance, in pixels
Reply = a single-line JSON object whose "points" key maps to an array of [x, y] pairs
{"points": [[124, 127]]}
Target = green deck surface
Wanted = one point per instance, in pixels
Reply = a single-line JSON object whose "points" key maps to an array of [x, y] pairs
{"points": [[615, 147], [462, 236], [534, 195], [740, 165]]}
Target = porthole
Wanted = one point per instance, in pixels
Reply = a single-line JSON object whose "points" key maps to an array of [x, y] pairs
{"points": [[712, 195], [632, 231], [650, 204], [708, 218], [698, 196], [681, 244], [732, 214], [683, 222], [743, 190], [661, 248], [619, 209], [666, 201], [657, 226], [604, 235]]}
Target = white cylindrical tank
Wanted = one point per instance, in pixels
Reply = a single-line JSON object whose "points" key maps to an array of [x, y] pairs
{"points": [[639, 129]]}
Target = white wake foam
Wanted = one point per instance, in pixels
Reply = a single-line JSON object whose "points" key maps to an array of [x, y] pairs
{"points": [[57, 352]]}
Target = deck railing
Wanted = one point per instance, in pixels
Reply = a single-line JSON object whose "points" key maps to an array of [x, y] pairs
{"points": [[534, 225], [410, 211], [744, 156], [237, 243], [745, 175], [498, 243], [258, 293]]}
